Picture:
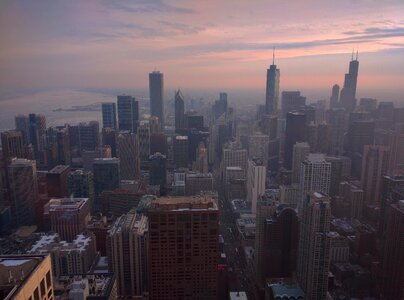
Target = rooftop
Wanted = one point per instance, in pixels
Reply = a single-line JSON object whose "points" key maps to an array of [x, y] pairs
{"points": [[59, 169], [52, 241], [66, 203], [184, 203]]}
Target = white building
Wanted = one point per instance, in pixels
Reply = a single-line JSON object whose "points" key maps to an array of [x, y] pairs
{"points": [[300, 152], [255, 182]]}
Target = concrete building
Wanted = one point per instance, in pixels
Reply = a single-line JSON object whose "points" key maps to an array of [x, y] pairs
{"points": [[289, 194], [127, 252], [201, 163], [374, 167], [315, 175], [12, 142], [350, 198], [68, 216], [233, 156], [75, 257], [256, 179], [314, 246], [191, 226], [118, 202], [26, 277], [196, 182], [258, 146], [56, 181], [300, 152]]}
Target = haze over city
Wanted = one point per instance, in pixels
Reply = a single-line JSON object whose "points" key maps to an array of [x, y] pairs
{"points": [[207, 45]]}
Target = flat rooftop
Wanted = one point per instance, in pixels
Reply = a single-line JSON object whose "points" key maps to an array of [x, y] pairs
{"points": [[59, 169], [18, 268], [66, 203], [184, 203]]}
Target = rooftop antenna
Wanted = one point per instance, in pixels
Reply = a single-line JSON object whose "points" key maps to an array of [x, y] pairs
{"points": [[273, 55], [352, 53], [357, 54]]}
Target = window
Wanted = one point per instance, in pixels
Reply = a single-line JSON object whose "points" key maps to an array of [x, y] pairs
{"points": [[43, 292], [48, 280]]}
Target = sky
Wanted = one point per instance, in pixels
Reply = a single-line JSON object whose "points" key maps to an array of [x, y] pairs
{"points": [[224, 45]]}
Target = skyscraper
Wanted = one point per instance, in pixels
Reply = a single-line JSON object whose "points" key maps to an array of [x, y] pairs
{"points": [[393, 254], [295, 132], [22, 124], [315, 175], [23, 190], [127, 244], [56, 181], [37, 126], [128, 153], [190, 227], [181, 151], [292, 101], [179, 110], [348, 92], [300, 152], [255, 182], [314, 246], [272, 88], [334, 96], [109, 115], [80, 184], [106, 176], [128, 113], [374, 167], [12, 142], [156, 89], [109, 138]]}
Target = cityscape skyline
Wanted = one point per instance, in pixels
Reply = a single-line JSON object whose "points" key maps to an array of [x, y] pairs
{"points": [[95, 45]]}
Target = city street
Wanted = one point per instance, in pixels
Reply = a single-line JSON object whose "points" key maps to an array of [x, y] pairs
{"points": [[232, 248]]}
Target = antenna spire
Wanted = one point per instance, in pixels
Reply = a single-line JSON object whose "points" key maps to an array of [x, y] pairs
{"points": [[273, 55], [352, 53], [357, 54]]}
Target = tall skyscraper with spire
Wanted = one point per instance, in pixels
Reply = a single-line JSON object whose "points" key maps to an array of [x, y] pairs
{"points": [[348, 92], [272, 91]]}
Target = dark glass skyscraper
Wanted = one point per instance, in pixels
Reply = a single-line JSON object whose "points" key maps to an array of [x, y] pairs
{"points": [[179, 108], [348, 92], [128, 113], [156, 89], [295, 132], [109, 115], [334, 96]]}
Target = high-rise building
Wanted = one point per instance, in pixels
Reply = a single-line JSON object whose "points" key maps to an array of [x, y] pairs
{"points": [[143, 133], [23, 190], [348, 92], [314, 246], [258, 146], [158, 143], [300, 152], [374, 167], [157, 170], [179, 110], [337, 120], [201, 163], [334, 96], [233, 156], [190, 225], [56, 181], [26, 277], [156, 90], [360, 133], [22, 124], [181, 151], [109, 139], [266, 205], [12, 142], [315, 175], [295, 132], [256, 179], [85, 136], [109, 115], [127, 253], [351, 194], [392, 286], [128, 113], [118, 202], [128, 153], [80, 184], [272, 89], [281, 242], [196, 183], [292, 101], [68, 216], [106, 176], [37, 126], [340, 169], [220, 106]]}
